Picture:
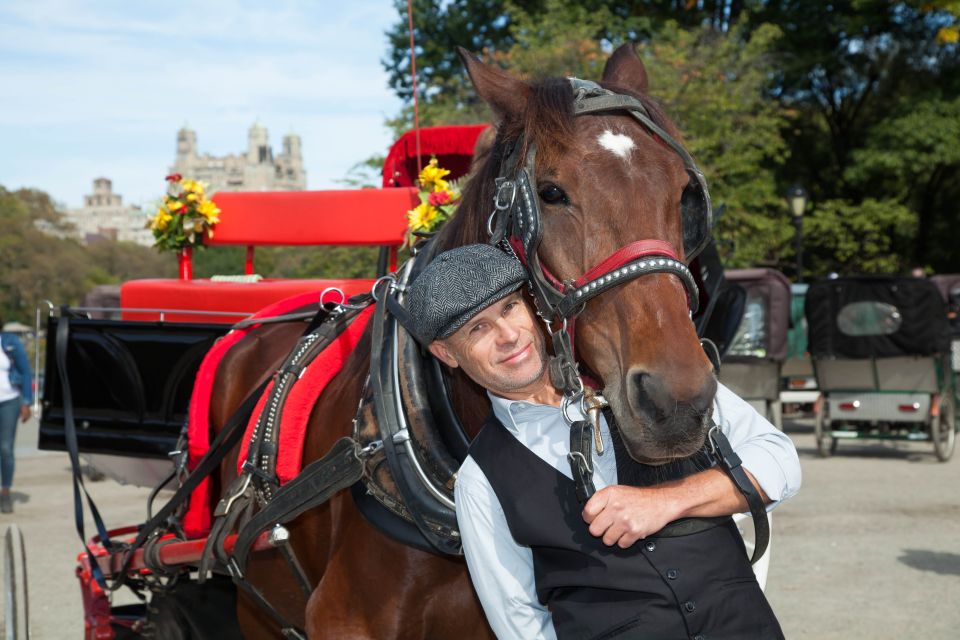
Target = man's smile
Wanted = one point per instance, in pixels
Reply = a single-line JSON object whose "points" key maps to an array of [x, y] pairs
{"points": [[517, 356]]}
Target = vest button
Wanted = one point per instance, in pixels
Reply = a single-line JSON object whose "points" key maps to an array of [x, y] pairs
{"points": [[689, 606], [650, 546], [673, 573]]}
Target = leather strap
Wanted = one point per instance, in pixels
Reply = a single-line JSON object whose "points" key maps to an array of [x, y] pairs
{"points": [[730, 461], [73, 449], [316, 484], [581, 459]]}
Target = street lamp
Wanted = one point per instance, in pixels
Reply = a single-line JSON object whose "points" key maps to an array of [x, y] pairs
{"points": [[797, 199]]}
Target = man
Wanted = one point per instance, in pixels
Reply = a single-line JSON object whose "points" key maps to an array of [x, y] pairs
{"points": [[542, 566]]}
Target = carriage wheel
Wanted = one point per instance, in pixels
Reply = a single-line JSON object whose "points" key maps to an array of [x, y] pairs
{"points": [[15, 610], [826, 444], [943, 428]]}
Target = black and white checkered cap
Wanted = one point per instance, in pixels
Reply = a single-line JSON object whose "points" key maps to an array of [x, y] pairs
{"points": [[459, 284]]}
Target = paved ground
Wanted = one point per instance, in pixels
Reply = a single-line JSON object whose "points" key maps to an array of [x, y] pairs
{"points": [[870, 548]]}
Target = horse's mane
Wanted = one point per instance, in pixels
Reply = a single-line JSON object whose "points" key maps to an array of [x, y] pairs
{"points": [[547, 121]]}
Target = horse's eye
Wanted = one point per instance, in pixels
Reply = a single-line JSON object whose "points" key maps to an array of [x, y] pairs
{"points": [[552, 194]]}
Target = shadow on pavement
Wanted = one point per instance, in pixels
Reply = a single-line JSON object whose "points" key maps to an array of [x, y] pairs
{"points": [[940, 562]]}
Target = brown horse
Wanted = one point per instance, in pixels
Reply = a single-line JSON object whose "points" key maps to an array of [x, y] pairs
{"points": [[603, 181]]}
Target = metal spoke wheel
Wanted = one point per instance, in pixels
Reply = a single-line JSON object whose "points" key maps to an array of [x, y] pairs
{"points": [[826, 444], [762, 566], [16, 613], [943, 427]]}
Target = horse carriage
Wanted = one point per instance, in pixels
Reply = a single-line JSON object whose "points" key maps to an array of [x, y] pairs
{"points": [[881, 352], [754, 358], [312, 446]]}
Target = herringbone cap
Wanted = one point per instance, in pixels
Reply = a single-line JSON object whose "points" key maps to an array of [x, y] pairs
{"points": [[459, 284]]}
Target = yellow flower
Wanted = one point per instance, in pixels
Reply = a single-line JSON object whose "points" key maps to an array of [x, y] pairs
{"points": [[432, 176], [193, 186], [161, 220], [423, 217], [174, 205], [191, 197], [209, 211]]}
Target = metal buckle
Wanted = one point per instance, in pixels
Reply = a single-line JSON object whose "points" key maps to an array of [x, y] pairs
{"points": [[373, 290], [498, 201], [710, 432], [582, 461]]}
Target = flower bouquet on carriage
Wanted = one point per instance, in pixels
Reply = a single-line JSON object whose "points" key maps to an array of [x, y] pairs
{"points": [[438, 202], [184, 219]]}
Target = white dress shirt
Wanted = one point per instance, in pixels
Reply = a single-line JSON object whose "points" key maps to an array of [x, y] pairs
{"points": [[502, 570]]}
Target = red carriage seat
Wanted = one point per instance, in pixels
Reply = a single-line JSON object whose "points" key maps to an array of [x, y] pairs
{"points": [[373, 217]]}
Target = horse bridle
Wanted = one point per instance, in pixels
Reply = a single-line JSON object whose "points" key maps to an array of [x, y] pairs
{"points": [[516, 221]]}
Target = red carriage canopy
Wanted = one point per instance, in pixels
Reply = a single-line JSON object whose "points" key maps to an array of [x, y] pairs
{"points": [[452, 145]]}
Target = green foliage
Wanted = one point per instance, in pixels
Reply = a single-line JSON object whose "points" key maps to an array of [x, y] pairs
{"points": [[856, 238], [856, 100], [36, 265], [713, 86]]}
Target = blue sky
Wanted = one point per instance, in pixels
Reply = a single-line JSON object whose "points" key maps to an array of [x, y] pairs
{"points": [[100, 88]]}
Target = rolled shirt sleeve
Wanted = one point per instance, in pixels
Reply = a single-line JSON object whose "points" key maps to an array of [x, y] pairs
{"points": [[767, 453], [501, 569]]}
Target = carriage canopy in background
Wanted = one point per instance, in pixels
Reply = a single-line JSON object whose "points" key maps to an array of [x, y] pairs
{"points": [[753, 359], [880, 348]]}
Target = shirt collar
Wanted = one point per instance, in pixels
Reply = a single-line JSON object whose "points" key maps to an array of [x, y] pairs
{"points": [[514, 413]]}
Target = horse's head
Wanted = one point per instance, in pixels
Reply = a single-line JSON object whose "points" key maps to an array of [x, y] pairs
{"points": [[605, 181]]}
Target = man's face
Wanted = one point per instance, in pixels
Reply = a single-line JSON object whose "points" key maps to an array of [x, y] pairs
{"points": [[501, 349]]}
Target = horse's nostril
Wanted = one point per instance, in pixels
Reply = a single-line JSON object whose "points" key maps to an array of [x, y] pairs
{"points": [[653, 397], [640, 384]]}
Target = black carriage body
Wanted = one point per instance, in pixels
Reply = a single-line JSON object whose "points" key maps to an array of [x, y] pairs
{"points": [[876, 317], [130, 383]]}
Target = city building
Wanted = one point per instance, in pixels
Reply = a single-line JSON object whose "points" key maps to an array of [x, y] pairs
{"points": [[256, 170], [103, 215]]}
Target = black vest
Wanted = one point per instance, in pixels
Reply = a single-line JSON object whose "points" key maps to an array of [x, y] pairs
{"points": [[694, 586]]}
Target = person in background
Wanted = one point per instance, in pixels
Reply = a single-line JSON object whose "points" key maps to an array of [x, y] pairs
{"points": [[16, 394]]}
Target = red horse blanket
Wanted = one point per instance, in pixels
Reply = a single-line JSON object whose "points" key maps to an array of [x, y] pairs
{"points": [[197, 520]]}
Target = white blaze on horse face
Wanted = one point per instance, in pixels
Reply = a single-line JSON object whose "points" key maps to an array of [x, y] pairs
{"points": [[618, 144]]}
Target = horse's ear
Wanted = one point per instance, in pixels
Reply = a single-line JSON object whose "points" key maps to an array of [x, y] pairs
{"points": [[625, 69], [506, 95]]}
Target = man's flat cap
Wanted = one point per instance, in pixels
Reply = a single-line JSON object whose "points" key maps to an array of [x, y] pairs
{"points": [[459, 284]]}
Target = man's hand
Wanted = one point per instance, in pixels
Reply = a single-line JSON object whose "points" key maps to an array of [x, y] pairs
{"points": [[24, 412], [622, 515]]}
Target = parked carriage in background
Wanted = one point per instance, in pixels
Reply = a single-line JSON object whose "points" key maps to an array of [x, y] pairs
{"points": [[881, 352], [798, 385], [754, 358]]}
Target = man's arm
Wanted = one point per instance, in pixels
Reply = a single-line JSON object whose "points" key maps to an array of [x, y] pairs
{"points": [[500, 569], [622, 515]]}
